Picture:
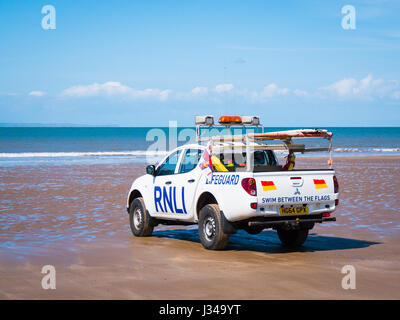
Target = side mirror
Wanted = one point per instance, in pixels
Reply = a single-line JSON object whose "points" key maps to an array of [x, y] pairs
{"points": [[151, 169]]}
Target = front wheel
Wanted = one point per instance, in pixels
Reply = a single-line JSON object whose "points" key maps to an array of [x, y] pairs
{"points": [[292, 238], [139, 219], [211, 234]]}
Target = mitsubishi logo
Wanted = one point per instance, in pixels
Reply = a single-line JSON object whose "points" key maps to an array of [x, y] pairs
{"points": [[297, 191]]}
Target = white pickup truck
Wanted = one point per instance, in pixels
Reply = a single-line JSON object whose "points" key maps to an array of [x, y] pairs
{"points": [[235, 182]]}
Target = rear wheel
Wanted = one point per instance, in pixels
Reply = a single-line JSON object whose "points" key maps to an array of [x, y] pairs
{"points": [[292, 238], [139, 219], [210, 228]]}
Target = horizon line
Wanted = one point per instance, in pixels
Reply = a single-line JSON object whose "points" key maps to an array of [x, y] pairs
{"points": [[72, 125]]}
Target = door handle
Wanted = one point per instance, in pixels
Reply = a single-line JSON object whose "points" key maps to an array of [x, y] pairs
{"points": [[191, 180], [168, 182]]}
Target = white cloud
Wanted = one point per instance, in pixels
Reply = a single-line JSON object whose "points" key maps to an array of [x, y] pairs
{"points": [[108, 88], [272, 90], [342, 87], [300, 93], [37, 93], [200, 90], [112, 88], [367, 87], [224, 87]]}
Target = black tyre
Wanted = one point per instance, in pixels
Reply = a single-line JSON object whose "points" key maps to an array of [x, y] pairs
{"points": [[210, 228], [139, 219], [292, 238], [253, 229]]}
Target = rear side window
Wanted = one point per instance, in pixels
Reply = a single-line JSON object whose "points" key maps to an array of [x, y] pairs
{"points": [[190, 160], [271, 158], [169, 165], [264, 158]]}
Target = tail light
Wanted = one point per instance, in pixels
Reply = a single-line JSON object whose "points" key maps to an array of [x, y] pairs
{"points": [[249, 184], [335, 185], [336, 188]]}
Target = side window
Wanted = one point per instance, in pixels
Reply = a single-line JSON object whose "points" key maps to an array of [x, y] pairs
{"points": [[260, 158], [190, 160], [271, 158], [169, 165], [264, 158]]}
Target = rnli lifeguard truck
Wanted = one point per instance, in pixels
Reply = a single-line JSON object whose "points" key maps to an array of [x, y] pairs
{"points": [[227, 181]]}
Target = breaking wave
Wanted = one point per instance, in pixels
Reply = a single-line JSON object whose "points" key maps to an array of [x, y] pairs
{"points": [[137, 153], [366, 150]]}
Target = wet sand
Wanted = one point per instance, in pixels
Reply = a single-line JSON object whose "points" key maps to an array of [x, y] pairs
{"points": [[74, 218]]}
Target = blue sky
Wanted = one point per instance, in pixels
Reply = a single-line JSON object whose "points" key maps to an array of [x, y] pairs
{"points": [[144, 63]]}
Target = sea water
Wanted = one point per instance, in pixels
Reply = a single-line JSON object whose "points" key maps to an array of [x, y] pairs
{"points": [[77, 145]]}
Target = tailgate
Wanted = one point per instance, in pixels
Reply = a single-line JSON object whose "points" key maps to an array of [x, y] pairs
{"points": [[308, 188]]}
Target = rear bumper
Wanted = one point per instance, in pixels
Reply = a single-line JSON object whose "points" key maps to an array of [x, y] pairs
{"points": [[292, 222]]}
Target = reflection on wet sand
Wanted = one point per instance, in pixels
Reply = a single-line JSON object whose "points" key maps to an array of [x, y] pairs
{"points": [[74, 217]]}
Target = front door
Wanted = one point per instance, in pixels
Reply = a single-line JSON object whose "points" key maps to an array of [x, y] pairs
{"points": [[187, 178], [165, 193]]}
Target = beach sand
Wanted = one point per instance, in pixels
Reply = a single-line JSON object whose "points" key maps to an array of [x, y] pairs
{"points": [[74, 218]]}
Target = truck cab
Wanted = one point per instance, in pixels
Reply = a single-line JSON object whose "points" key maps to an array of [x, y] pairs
{"points": [[229, 182]]}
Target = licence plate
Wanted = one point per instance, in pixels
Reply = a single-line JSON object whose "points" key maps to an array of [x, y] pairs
{"points": [[293, 211]]}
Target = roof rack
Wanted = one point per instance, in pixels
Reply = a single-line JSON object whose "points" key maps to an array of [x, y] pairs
{"points": [[251, 140]]}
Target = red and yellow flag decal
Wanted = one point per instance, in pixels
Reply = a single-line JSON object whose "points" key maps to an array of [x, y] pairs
{"points": [[268, 185], [320, 184]]}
